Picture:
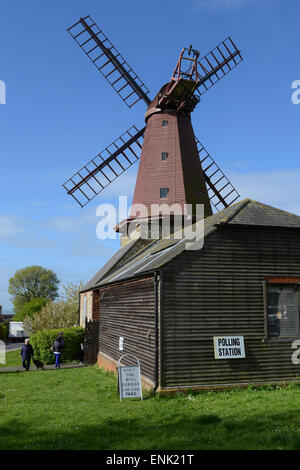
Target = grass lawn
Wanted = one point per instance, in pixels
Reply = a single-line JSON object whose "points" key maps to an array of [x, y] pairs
{"points": [[12, 359], [80, 409]]}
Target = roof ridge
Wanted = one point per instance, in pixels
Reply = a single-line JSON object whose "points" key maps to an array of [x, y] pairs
{"points": [[242, 204], [273, 207]]}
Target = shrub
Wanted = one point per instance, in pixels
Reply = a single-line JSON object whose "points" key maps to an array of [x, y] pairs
{"points": [[43, 340], [3, 332], [30, 308], [53, 315], [61, 314]]}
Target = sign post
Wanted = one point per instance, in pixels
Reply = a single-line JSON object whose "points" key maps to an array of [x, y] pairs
{"points": [[129, 379]]}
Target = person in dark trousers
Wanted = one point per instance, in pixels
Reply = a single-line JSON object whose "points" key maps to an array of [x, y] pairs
{"points": [[26, 354], [58, 348]]}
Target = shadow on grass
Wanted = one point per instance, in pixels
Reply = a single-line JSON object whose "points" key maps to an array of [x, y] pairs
{"points": [[205, 431], [11, 372]]}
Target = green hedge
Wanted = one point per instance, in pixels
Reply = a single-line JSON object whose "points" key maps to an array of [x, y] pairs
{"points": [[3, 332], [43, 340]]}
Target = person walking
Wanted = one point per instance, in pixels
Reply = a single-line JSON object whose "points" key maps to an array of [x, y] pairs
{"points": [[58, 348], [26, 354]]}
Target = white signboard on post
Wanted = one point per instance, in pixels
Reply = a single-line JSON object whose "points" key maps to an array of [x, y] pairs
{"points": [[129, 379], [2, 352], [229, 347]]}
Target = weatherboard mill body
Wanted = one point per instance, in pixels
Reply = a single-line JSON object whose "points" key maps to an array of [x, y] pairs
{"points": [[169, 311]]}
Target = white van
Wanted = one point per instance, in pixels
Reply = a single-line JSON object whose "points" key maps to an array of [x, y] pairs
{"points": [[16, 330]]}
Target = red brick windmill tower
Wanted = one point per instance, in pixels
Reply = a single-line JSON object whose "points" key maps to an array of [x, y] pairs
{"points": [[174, 166]]}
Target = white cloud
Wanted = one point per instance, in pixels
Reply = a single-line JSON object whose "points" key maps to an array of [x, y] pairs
{"points": [[86, 217], [9, 226], [86, 246], [33, 241], [280, 188], [73, 223], [23, 233], [65, 223]]}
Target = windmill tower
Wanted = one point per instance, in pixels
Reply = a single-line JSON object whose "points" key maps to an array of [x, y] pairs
{"points": [[175, 169]]}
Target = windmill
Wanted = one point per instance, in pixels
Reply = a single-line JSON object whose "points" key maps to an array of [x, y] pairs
{"points": [[175, 167]]}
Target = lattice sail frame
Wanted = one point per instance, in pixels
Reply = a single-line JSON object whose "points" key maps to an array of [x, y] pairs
{"points": [[124, 152], [109, 61], [108, 165], [220, 190], [216, 64]]}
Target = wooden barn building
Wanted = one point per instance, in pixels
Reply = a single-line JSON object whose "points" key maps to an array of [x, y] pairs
{"points": [[169, 304]]}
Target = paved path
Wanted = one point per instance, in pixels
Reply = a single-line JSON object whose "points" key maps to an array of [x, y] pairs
{"points": [[13, 346], [69, 365]]}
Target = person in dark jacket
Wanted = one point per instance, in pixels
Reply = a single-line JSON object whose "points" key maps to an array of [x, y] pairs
{"points": [[58, 348], [26, 354]]}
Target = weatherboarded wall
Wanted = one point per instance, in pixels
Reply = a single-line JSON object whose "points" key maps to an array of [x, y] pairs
{"points": [[127, 310], [218, 291]]}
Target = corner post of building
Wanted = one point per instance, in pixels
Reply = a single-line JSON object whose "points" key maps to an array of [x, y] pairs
{"points": [[266, 332], [157, 329]]}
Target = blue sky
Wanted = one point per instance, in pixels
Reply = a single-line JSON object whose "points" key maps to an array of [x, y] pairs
{"points": [[60, 113]]}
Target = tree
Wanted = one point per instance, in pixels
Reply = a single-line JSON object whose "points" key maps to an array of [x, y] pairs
{"points": [[61, 314], [3, 332], [70, 294], [30, 308], [31, 283]]}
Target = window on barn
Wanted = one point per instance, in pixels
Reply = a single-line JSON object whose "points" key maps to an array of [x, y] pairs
{"points": [[164, 155], [282, 310], [164, 123]]}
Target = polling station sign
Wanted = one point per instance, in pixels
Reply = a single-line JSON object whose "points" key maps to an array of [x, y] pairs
{"points": [[229, 347]]}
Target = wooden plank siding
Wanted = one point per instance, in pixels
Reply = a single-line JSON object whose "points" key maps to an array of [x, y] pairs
{"points": [[219, 291], [127, 309]]}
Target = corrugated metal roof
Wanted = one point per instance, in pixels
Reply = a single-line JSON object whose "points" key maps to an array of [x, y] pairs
{"points": [[159, 252]]}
